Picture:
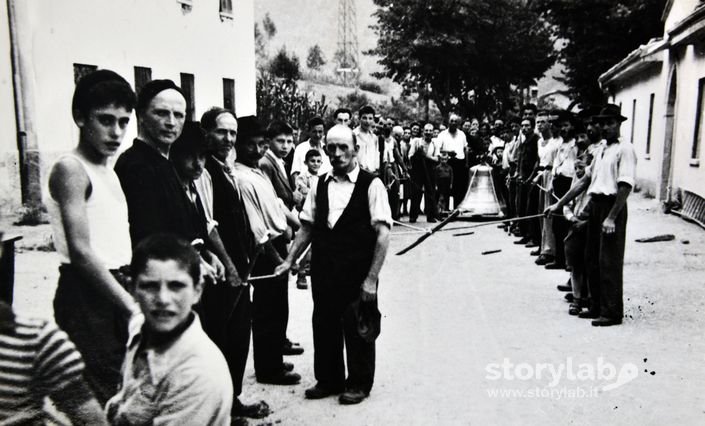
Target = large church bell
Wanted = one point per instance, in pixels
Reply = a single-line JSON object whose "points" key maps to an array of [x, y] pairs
{"points": [[481, 198]]}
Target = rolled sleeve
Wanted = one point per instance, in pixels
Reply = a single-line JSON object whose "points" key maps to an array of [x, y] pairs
{"points": [[627, 165], [380, 212]]}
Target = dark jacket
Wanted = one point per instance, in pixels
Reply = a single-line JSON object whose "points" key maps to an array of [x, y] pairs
{"points": [[229, 212], [156, 200], [280, 182], [527, 155]]}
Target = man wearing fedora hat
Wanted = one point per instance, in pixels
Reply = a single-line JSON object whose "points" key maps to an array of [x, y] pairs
{"points": [[609, 183]]}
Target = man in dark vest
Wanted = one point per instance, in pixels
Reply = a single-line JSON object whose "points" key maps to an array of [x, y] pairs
{"points": [[227, 308], [347, 219]]}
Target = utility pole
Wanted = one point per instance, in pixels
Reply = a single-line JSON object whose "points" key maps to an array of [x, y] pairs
{"points": [[23, 85], [348, 54]]}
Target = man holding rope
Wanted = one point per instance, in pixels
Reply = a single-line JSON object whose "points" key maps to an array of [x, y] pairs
{"points": [[611, 178], [347, 219]]}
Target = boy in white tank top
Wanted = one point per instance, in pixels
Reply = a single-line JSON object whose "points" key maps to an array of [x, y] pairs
{"points": [[89, 219]]}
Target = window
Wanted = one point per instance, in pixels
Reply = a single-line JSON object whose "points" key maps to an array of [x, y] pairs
{"points": [[226, 9], [143, 75], [699, 128], [229, 94], [187, 86], [648, 128], [633, 119], [81, 70]]}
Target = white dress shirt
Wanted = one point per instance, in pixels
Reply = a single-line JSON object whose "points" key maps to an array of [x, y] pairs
{"points": [[368, 152], [613, 163], [340, 189], [450, 142]]}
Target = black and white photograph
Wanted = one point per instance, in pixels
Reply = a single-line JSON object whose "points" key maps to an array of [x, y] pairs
{"points": [[352, 212]]}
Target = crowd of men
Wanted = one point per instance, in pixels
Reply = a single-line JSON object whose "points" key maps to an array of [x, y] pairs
{"points": [[574, 169], [158, 254], [173, 258], [572, 166]]}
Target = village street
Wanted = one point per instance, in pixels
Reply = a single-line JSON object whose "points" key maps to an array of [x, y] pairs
{"points": [[486, 339]]}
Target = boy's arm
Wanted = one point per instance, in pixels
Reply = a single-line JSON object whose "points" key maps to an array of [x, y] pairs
{"points": [[68, 185]]}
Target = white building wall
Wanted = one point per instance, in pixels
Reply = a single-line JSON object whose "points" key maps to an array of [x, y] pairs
{"points": [[9, 161], [679, 10], [688, 174], [640, 89], [119, 35]]}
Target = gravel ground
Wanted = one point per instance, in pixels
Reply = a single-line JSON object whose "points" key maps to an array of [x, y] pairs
{"points": [[453, 319]]}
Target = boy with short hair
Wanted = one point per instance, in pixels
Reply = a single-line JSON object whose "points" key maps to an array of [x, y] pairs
{"points": [[173, 373], [89, 219], [304, 182], [443, 175], [576, 241]]}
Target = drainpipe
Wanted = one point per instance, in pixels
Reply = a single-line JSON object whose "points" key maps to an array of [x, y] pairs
{"points": [[23, 86]]}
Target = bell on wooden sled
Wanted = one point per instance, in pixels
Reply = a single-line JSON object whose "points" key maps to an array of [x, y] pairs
{"points": [[481, 198]]}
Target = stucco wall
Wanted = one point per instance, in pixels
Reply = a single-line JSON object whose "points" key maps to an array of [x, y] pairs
{"points": [[686, 174], [679, 10], [640, 89], [120, 35]]}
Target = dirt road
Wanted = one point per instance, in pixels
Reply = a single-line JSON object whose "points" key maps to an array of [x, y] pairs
{"points": [[473, 339]]}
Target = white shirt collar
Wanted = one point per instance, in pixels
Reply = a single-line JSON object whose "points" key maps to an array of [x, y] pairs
{"points": [[352, 175]]}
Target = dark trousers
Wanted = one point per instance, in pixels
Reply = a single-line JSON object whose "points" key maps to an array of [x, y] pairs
{"points": [[443, 193], [512, 198], [225, 313], [421, 185], [335, 325], [528, 204], [460, 180], [575, 255], [96, 327], [606, 258], [561, 185], [270, 315]]}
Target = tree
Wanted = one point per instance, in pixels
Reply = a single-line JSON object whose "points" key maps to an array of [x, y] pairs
{"points": [[269, 27], [262, 40], [285, 66], [281, 100], [315, 59], [596, 35], [456, 49]]}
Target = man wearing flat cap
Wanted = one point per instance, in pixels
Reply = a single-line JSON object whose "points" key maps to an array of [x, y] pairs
{"points": [[347, 219], [156, 201], [608, 183]]}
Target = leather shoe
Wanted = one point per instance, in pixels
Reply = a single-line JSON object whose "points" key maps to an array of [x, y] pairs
{"points": [[284, 378], [291, 348], [522, 241], [319, 392], [554, 265], [569, 298], [432, 220], [563, 287], [574, 309], [352, 396], [288, 366], [588, 314], [606, 322], [535, 252], [258, 410], [531, 244], [543, 259]]}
